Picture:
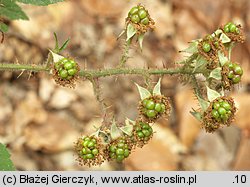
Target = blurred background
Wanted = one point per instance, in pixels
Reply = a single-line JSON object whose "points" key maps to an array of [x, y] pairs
{"points": [[39, 121]]}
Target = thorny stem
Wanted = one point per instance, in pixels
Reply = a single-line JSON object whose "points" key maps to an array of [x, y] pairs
{"points": [[125, 56], [196, 87], [91, 74]]}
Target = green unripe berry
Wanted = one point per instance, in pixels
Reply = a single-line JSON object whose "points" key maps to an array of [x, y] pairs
{"points": [[145, 126], [133, 10], [206, 47], [85, 143], [58, 65], [216, 105], [224, 117], [226, 27], [84, 151], [226, 105], [112, 148], [90, 156], [146, 132], [157, 107], [229, 113], [222, 111], [145, 21], [151, 113], [232, 28], [215, 114], [73, 63], [68, 66], [230, 74], [238, 70], [140, 134], [86, 139], [91, 144], [144, 102], [64, 60], [135, 18], [236, 79], [150, 130], [142, 14], [230, 66], [72, 72], [119, 151], [112, 155], [126, 153], [63, 74], [120, 158], [95, 151], [120, 145], [150, 105], [163, 107]]}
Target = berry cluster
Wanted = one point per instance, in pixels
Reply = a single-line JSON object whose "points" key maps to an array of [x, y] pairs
{"points": [[231, 74], [235, 72], [66, 72], [234, 32], [208, 47], [138, 14], [118, 150], [66, 68], [221, 110], [154, 107], [142, 132], [88, 149], [231, 28]]}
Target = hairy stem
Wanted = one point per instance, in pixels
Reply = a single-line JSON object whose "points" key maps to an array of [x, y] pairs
{"points": [[125, 56], [90, 74], [196, 87]]}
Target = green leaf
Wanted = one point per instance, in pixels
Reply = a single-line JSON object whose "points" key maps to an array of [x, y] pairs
{"points": [[5, 161], [196, 114], [131, 31], [40, 2], [140, 40], [193, 47], [223, 59], [129, 122], [144, 93], [224, 38], [128, 129], [212, 94], [56, 48], [199, 61], [204, 104], [55, 56], [115, 132], [9, 9], [157, 88], [3, 27], [64, 45], [216, 74]]}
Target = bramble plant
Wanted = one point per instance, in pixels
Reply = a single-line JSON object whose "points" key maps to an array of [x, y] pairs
{"points": [[210, 57]]}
